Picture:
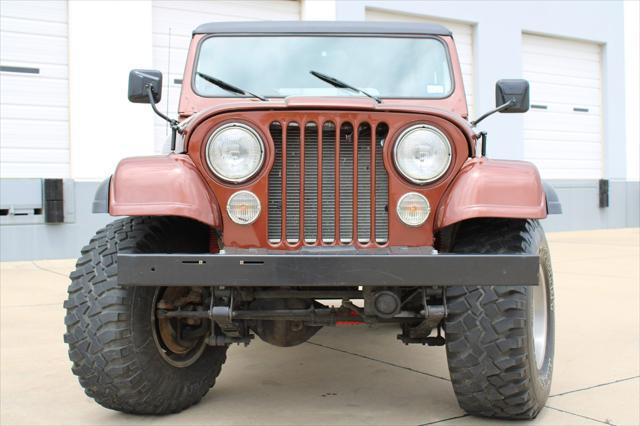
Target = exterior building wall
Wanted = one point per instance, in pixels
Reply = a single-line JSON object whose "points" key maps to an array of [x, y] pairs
{"points": [[104, 127]]}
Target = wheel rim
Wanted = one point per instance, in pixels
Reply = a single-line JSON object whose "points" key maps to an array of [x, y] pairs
{"points": [[175, 351], [540, 319]]}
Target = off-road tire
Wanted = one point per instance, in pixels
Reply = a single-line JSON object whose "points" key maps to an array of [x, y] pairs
{"points": [[489, 337], [109, 328]]}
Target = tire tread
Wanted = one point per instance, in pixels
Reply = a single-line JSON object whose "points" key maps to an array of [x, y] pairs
{"points": [[99, 329], [485, 328]]}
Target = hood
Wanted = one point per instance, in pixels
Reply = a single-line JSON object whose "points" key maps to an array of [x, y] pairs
{"points": [[337, 103]]}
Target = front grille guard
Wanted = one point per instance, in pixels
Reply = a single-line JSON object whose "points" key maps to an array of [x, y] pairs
{"points": [[328, 184]]}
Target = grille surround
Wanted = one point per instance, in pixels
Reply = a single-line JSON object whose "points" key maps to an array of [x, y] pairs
{"points": [[341, 193]]}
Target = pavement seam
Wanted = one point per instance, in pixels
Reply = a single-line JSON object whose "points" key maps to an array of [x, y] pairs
{"points": [[579, 415], [49, 270], [380, 361], [445, 420], [594, 386]]}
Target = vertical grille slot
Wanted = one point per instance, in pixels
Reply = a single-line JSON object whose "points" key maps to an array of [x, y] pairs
{"points": [[274, 209], [293, 183], [310, 182], [364, 183], [328, 182], [382, 187], [346, 182]]}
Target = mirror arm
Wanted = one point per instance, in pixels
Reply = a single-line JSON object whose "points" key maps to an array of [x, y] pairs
{"points": [[493, 111], [175, 125]]}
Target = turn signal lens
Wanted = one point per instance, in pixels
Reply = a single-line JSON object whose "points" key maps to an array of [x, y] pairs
{"points": [[413, 209], [243, 207]]}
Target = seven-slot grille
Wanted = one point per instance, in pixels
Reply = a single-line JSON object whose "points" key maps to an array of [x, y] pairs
{"points": [[305, 203]]}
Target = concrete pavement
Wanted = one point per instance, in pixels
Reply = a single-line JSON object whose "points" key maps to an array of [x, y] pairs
{"points": [[354, 375]]}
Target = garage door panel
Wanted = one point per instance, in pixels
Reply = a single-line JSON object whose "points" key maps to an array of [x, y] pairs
{"points": [[561, 66], [234, 10], [23, 90], [561, 47], [465, 52], [178, 59], [179, 41], [26, 170], [26, 26], [561, 81], [557, 94], [51, 71], [35, 155], [184, 17], [161, 134], [182, 23], [33, 48], [578, 150], [33, 133], [170, 94], [49, 10], [560, 136], [567, 163], [567, 122], [34, 112], [565, 138]]}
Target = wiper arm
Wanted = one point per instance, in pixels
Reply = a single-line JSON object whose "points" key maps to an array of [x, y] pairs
{"points": [[342, 85], [228, 87]]}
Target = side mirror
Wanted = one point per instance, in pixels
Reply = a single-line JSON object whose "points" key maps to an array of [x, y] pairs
{"points": [[516, 91], [139, 80]]}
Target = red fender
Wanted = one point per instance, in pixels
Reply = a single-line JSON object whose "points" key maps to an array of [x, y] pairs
{"points": [[493, 188], [162, 186]]}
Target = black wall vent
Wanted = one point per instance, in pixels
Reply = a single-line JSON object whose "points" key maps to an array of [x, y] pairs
{"points": [[603, 191], [53, 201]]}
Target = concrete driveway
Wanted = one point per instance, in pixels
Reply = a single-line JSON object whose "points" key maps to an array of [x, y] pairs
{"points": [[355, 375]]}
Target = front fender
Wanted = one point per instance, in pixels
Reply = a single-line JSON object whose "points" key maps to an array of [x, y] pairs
{"points": [[493, 188], [162, 186]]}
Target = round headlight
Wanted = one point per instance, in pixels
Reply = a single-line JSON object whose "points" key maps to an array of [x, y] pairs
{"points": [[422, 154], [243, 207], [235, 152], [413, 209]]}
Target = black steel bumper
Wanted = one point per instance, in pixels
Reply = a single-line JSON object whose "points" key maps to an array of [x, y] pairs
{"points": [[380, 267]]}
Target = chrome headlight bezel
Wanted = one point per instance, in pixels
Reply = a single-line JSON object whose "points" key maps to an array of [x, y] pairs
{"points": [[445, 166], [253, 134]]}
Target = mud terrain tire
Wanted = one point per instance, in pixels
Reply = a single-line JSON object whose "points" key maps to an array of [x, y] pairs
{"points": [[489, 330], [109, 328]]}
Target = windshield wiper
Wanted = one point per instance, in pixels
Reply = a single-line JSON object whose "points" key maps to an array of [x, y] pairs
{"points": [[342, 85], [228, 87]]}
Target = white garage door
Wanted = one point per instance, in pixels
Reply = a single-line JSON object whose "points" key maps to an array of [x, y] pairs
{"points": [[173, 23], [563, 128], [34, 129], [462, 34]]}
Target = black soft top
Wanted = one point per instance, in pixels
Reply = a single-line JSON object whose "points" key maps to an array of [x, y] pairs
{"points": [[322, 27]]}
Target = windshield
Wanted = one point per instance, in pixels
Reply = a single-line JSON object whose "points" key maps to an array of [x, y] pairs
{"points": [[278, 66]]}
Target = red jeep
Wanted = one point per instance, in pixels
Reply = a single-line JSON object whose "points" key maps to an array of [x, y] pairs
{"points": [[313, 162]]}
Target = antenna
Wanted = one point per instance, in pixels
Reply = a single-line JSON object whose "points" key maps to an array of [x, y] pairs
{"points": [[168, 79]]}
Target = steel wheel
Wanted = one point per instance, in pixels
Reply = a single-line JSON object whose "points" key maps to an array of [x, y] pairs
{"points": [[540, 319], [174, 348]]}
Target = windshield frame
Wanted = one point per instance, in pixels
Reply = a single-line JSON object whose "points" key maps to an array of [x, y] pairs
{"points": [[439, 39]]}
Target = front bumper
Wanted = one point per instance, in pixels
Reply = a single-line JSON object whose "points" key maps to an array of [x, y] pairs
{"points": [[389, 267]]}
